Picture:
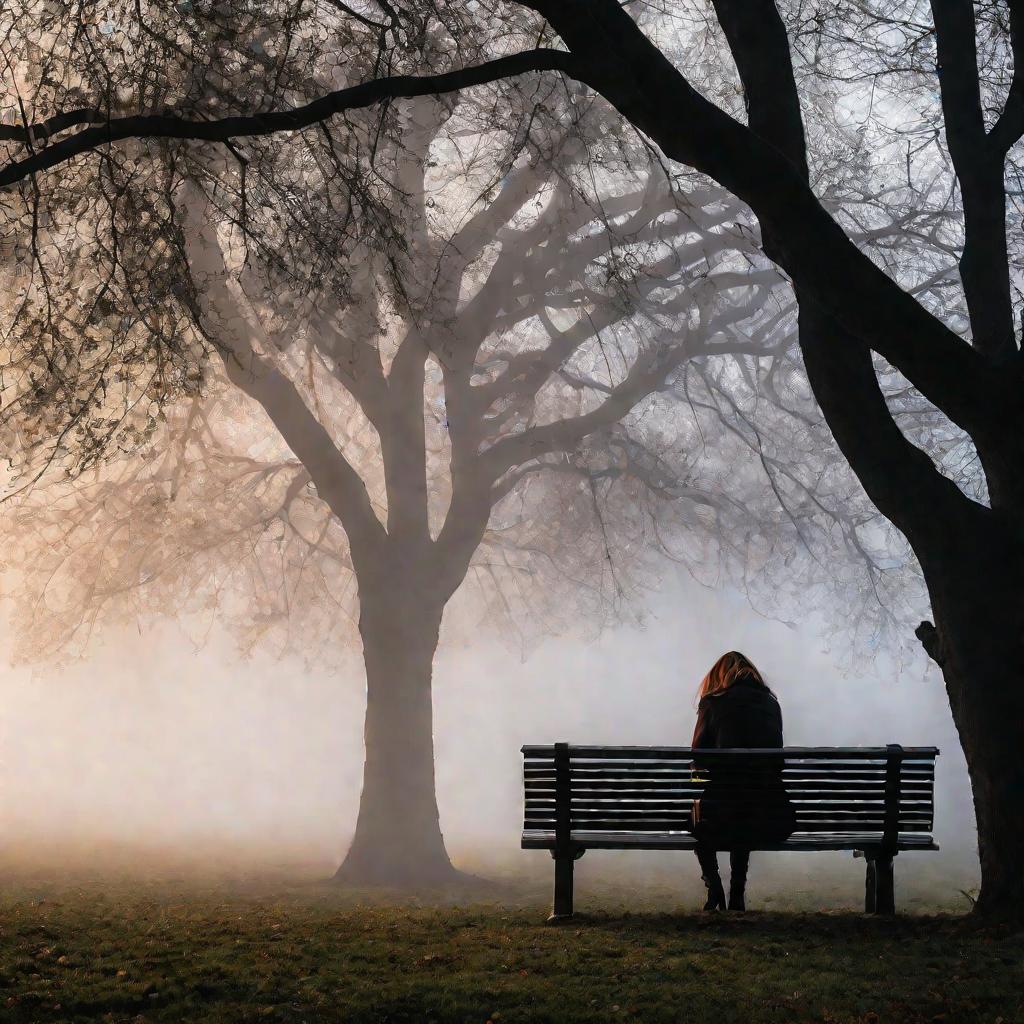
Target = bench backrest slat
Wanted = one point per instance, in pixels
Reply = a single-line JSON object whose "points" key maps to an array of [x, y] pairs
{"points": [[685, 753]]}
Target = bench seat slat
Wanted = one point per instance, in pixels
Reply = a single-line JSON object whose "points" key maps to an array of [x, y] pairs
{"points": [[545, 840]]}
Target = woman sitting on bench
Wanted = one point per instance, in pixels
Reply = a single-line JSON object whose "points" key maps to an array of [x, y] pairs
{"points": [[737, 709]]}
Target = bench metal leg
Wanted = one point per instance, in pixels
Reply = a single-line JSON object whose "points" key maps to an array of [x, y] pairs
{"points": [[879, 887], [869, 886], [562, 909], [885, 891]]}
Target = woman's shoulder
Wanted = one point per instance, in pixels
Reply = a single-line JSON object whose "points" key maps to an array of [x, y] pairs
{"points": [[745, 694]]}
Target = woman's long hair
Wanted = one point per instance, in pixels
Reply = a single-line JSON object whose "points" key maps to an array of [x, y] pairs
{"points": [[729, 668]]}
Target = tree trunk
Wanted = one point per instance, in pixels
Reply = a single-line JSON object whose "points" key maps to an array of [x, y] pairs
{"points": [[398, 837], [977, 592]]}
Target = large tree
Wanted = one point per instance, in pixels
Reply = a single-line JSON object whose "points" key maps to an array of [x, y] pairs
{"points": [[854, 317], [456, 316], [971, 550]]}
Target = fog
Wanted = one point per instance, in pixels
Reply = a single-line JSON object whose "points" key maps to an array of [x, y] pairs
{"points": [[152, 751]]}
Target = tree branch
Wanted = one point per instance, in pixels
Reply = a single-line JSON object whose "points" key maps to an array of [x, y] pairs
{"points": [[1009, 128], [618, 60], [984, 268], [365, 94], [40, 131], [645, 376], [336, 480], [838, 363]]}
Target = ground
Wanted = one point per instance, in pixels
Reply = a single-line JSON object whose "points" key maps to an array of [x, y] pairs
{"points": [[148, 952]]}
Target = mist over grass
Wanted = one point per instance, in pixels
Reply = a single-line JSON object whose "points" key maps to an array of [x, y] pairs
{"points": [[157, 758]]}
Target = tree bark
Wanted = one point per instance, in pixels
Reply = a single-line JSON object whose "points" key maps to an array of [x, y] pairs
{"points": [[398, 837], [978, 641]]}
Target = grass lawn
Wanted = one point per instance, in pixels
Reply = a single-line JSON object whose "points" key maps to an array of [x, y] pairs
{"points": [[158, 953]]}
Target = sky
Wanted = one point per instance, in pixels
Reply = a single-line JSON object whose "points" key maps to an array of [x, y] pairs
{"points": [[151, 748]]}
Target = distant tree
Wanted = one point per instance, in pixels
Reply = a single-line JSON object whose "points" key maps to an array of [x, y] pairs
{"points": [[456, 319]]}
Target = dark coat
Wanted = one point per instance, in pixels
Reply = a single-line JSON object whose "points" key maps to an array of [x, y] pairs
{"points": [[745, 715], [732, 812]]}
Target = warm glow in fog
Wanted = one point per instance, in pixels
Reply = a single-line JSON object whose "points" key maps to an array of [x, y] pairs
{"points": [[153, 752]]}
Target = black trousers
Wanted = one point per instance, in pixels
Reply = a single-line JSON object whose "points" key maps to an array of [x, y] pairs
{"points": [[739, 860]]}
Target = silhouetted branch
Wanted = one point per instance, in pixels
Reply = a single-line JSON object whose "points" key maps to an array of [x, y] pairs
{"points": [[171, 126]]}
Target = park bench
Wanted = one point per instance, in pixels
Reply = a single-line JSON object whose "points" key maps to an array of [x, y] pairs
{"points": [[875, 801]]}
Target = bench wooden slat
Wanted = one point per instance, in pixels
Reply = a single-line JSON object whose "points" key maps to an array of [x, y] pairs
{"points": [[667, 824], [724, 766], [689, 793], [640, 807], [666, 769], [679, 793], [908, 813], [792, 785], [676, 800], [739, 796], [689, 778], [681, 765], [822, 768], [654, 775], [675, 811], [871, 769], [544, 840], [754, 753], [852, 826]]}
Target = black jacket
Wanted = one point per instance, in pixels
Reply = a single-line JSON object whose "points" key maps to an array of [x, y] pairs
{"points": [[745, 715], [752, 809]]}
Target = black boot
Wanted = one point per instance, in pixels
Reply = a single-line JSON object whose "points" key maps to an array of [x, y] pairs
{"points": [[712, 879], [716, 893], [736, 897], [738, 862]]}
